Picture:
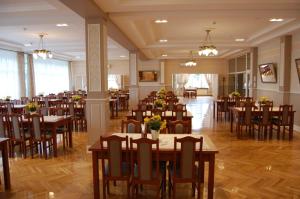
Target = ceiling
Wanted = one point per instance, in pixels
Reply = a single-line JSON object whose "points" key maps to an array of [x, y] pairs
{"points": [[188, 20], [22, 21]]}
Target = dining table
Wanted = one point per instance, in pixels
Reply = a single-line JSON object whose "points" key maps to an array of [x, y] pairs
{"points": [[53, 122], [237, 112], [166, 153]]}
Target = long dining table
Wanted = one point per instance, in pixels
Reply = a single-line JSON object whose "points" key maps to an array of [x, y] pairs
{"points": [[166, 150], [53, 122], [237, 112]]}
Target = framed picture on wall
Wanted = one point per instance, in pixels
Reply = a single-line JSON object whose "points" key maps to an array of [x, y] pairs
{"points": [[268, 73], [298, 68]]}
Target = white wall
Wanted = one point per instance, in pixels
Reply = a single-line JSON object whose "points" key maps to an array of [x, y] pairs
{"points": [[295, 84], [118, 67]]}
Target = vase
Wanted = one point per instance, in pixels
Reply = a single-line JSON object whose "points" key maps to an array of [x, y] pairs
{"points": [[154, 134]]}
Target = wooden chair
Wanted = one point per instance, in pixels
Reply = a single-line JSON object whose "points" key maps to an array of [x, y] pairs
{"points": [[157, 111], [179, 127], [145, 164], [223, 107], [246, 120], [131, 126], [40, 135], [3, 125], [183, 168], [284, 119], [117, 166], [62, 130], [24, 100], [179, 114], [19, 135], [9, 107], [193, 94], [264, 121], [138, 115], [180, 107]]}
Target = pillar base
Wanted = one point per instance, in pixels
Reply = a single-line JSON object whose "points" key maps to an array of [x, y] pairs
{"points": [[97, 115]]}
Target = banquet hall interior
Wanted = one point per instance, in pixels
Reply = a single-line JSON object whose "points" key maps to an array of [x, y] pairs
{"points": [[149, 99]]}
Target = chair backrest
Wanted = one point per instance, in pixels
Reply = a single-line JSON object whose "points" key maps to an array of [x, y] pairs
{"points": [[37, 125], [24, 100], [44, 111], [142, 107], [157, 111], [60, 111], [180, 107], [147, 158], [247, 116], [116, 161], [179, 114], [266, 114], [131, 126], [9, 107], [285, 114], [225, 105], [16, 126], [71, 107], [187, 157], [3, 119], [46, 101], [138, 114], [179, 127]]}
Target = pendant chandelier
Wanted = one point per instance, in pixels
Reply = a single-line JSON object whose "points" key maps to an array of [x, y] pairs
{"points": [[191, 62], [207, 49], [42, 52]]}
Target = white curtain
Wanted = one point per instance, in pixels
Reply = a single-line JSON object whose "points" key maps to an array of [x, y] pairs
{"points": [[51, 76], [9, 74], [114, 81]]}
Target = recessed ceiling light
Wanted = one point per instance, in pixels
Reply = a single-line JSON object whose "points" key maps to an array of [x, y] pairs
{"points": [[161, 21], [163, 40], [122, 56], [28, 44], [239, 39], [62, 25], [164, 55], [276, 20]]}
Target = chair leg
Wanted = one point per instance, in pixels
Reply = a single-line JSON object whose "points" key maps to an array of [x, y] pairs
{"points": [[278, 132], [174, 191], [128, 189], [193, 189], [104, 188]]}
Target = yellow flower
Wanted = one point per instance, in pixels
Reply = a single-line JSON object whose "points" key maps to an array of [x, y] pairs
{"points": [[146, 120], [163, 125], [156, 117]]}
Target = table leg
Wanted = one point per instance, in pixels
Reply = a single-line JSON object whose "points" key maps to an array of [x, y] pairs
{"points": [[96, 175], [54, 140], [5, 163], [117, 110], [70, 133], [231, 121], [211, 177], [291, 128]]}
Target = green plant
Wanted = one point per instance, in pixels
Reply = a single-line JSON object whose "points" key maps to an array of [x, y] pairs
{"points": [[235, 94], [76, 97], [31, 107]]}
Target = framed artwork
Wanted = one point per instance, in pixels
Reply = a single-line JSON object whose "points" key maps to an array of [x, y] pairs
{"points": [[298, 68], [268, 73], [148, 76]]}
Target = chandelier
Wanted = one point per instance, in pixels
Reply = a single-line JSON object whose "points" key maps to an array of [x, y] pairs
{"points": [[191, 62], [207, 49], [42, 52]]}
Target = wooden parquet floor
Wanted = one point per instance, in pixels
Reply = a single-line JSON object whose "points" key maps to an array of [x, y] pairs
{"points": [[245, 168]]}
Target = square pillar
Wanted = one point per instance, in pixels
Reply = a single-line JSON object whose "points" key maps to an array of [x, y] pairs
{"points": [[133, 79]]}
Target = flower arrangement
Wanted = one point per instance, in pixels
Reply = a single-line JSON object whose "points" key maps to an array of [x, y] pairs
{"points": [[161, 93], [235, 94], [159, 103], [155, 123], [76, 98], [263, 99], [32, 106]]}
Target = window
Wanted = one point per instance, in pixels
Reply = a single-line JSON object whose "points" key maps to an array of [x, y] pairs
{"points": [[9, 74], [114, 81], [51, 76], [197, 81]]}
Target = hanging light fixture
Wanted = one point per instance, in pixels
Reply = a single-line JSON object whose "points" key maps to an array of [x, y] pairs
{"points": [[191, 62], [207, 49], [42, 52]]}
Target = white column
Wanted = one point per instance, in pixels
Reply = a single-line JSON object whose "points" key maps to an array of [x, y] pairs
{"points": [[97, 103], [133, 79]]}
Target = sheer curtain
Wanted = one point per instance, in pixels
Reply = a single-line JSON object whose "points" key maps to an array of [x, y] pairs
{"points": [[114, 81], [51, 76], [9, 74]]}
